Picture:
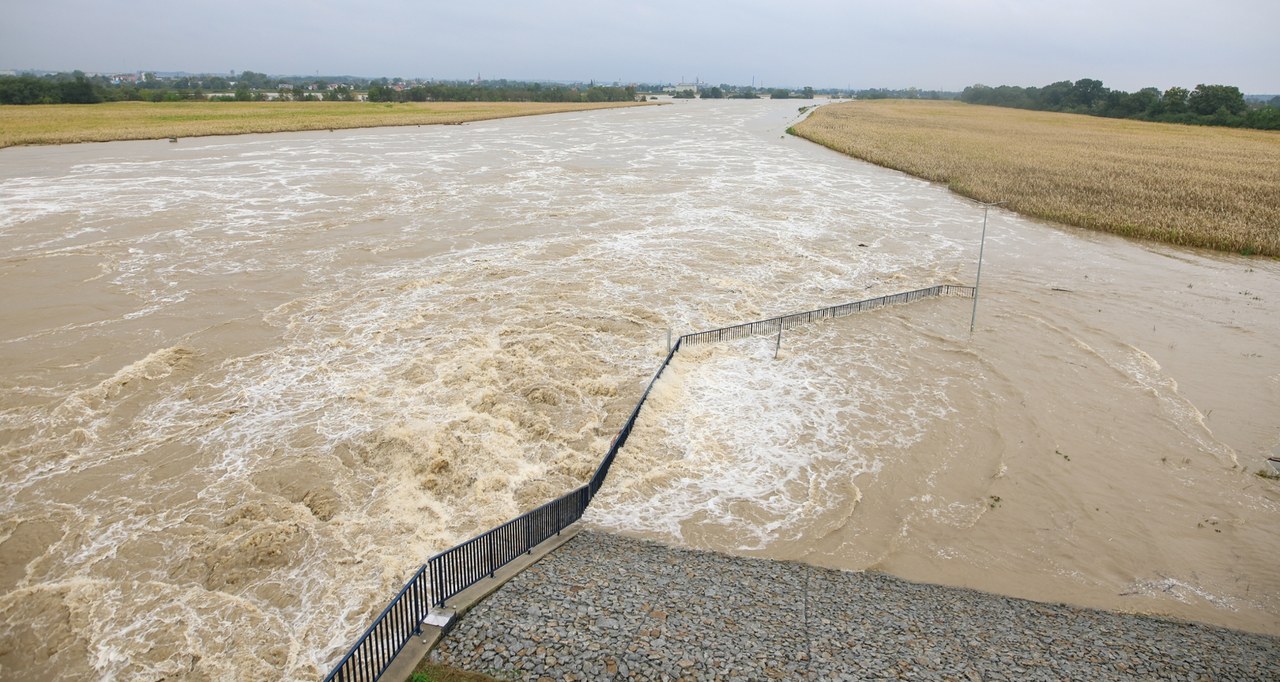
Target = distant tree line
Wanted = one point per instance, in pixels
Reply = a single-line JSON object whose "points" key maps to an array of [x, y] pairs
{"points": [[502, 91], [78, 88], [1220, 105], [726, 91], [904, 93], [32, 90]]}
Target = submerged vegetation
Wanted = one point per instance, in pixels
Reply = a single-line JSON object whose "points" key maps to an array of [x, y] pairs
{"points": [[67, 123], [1217, 188]]}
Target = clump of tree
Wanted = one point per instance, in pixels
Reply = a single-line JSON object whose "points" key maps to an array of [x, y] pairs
{"points": [[783, 93], [1221, 105], [903, 93], [501, 91], [76, 89]]}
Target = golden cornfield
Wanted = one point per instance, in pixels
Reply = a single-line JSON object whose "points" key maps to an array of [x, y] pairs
{"points": [[1217, 188], [69, 123]]}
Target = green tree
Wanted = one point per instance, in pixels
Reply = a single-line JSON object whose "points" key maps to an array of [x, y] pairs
{"points": [[341, 93], [1208, 100], [1263, 118], [255, 80], [1146, 100], [28, 90], [1086, 93], [1055, 96], [1174, 100], [376, 93], [79, 91]]}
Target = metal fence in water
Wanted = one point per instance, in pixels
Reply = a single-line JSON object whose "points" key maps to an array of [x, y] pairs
{"points": [[450, 572], [454, 570], [774, 325], [625, 432]]}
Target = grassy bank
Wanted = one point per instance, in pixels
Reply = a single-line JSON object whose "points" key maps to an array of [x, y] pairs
{"points": [[1193, 186], [68, 123]]}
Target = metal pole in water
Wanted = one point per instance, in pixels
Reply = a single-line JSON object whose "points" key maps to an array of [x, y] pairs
{"points": [[778, 345], [981, 247], [668, 340]]}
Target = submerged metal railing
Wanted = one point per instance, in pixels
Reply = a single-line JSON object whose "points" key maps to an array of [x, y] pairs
{"points": [[450, 572], [774, 324]]}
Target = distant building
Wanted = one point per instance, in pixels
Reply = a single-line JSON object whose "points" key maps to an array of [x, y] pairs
{"points": [[681, 87]]}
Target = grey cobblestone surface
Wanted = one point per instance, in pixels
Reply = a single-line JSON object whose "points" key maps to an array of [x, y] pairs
{"points": [[606, 607]]}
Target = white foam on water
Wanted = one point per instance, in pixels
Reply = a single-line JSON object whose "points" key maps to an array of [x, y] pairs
{"points": [[1184, 592], [1146, 372], [734, 442], [400, 338]]}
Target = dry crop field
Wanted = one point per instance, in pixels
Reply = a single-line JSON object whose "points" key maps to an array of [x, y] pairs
{"points": [[1188, 185], [67, 123]]}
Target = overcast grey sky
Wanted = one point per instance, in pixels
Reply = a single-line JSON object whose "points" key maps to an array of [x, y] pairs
{"points": [[930, 44]]}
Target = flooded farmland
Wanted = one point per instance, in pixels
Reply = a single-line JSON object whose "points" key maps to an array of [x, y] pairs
{"points": [[248, 384]]}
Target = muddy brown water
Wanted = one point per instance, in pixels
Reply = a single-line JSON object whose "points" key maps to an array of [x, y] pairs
{"points": [[248, 384]]}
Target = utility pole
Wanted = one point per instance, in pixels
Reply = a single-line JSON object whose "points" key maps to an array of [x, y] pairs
{"points": [[986, 207]]}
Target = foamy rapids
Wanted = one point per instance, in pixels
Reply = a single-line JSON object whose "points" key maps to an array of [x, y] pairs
{"points": [[250, 383]]}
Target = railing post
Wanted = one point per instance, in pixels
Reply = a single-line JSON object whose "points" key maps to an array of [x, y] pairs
{"points": [[493, 549]]}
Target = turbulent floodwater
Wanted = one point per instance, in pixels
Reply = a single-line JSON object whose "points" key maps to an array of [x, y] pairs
{"points": [[248, 384]]}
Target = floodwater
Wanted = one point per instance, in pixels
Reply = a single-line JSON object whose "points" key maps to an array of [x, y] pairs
{"points": [[248, 384]]}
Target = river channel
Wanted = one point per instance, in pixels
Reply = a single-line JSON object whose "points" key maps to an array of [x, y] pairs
{"points": [[248, 384]]}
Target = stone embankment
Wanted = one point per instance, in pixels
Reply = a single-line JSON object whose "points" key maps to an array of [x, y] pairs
{"points": [[604, 607]]}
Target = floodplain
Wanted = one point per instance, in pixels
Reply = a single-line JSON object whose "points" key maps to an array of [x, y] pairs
{"points": [[1202, 186], [71, 123]]}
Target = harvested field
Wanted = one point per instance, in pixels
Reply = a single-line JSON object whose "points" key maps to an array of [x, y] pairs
{"points": [[70, 123], [1187, 185]]}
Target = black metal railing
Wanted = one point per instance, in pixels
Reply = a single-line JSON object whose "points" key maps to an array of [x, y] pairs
{"points": [[460, 567], [450, 572], [625, 432], [374, 651], [774, 324]]}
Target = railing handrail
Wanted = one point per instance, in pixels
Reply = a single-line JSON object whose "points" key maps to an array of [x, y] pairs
{"points": [[597, 480], [855, 306], [361, 666], [368, 666]]}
